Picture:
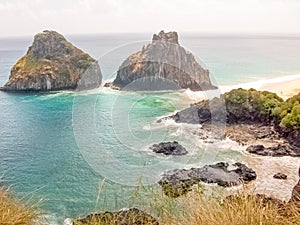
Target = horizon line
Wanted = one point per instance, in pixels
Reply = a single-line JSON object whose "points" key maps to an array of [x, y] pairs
{"points": [[203, 33]]}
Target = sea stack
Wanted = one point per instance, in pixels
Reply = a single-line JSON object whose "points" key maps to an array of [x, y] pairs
{"points": [[52, 63], [162, 65]]}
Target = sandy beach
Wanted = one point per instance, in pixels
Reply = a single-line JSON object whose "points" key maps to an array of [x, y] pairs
{"points": [[285, 86]]}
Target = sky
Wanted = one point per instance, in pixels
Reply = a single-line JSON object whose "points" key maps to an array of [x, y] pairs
{"points": [[27, 17]]}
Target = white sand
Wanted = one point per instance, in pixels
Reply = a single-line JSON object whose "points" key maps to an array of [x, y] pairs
{"points": [[285, 86]]}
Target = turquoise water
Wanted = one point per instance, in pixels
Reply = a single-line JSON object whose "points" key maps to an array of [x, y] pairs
{"points": [[58, 147]]}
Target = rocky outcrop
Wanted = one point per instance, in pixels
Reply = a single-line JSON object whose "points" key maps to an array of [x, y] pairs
{"points": [[179, 181], [296, 191], [131, 216], [249, 117], [169, 148], [291, 134], [277, 150], [162, 65], [52, 63], [253, 134], [280, 176], [202, 112]]}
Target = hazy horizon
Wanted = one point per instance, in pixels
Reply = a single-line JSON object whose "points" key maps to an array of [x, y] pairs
{"points": [[146, 34], [73, 17]]}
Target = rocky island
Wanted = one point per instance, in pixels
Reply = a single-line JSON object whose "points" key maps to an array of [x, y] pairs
{"points": [[52, 63], [162, 65]]}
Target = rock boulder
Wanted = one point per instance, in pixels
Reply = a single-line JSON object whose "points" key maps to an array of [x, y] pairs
{"points": [[169, 148], [179, 181]]}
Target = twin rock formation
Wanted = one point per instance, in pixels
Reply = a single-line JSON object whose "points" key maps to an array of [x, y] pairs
{"points": [[52, 63]]}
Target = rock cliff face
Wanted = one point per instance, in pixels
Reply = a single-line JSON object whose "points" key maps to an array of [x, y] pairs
{"points": [[53, 63], [162, 65]]}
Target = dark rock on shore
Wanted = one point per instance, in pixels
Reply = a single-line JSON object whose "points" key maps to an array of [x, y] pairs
{"points": [[249, 117], [252, 134], [110, 85], [179, 181], [280, 176], [277, 150], [291, 134], [162, 65], [295, 197], [262, 139], [52, 63], [131, 216], [296, 191], [169, 148], [201, 112]]}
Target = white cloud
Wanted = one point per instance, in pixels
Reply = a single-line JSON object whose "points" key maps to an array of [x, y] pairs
{"points": [[26, 17]]}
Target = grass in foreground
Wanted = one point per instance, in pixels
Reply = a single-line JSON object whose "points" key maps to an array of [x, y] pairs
{"points": [[14, 212], [197, 208], [241, 209]]}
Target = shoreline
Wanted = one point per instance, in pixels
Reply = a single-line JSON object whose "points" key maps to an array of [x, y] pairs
{"points": [[266, 166], [284, 86]]}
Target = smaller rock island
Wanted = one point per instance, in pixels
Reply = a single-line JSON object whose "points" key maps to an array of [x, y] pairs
{"points": [[52, 63], [162, 65]]}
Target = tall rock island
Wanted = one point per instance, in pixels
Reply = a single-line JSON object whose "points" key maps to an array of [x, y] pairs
{"points": [[162, 65], [52, 63]]}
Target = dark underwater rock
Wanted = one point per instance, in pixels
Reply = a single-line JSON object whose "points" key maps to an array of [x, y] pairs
{"points": [[169, 148], [277, 150]]}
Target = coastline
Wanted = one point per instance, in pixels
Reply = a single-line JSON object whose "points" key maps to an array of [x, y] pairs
{"points": [[266, 166], [284, 86]]}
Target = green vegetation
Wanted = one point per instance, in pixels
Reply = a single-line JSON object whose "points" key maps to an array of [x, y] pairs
{"points": [[84, 61], [28, 64], [263, 106], [289, 113], [252, 104]]}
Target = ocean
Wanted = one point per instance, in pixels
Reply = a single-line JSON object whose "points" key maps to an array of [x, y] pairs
{"points": [[59, 148]]}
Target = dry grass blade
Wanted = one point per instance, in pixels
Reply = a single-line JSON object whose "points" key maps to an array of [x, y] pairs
{"points": [[13, 212]]}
